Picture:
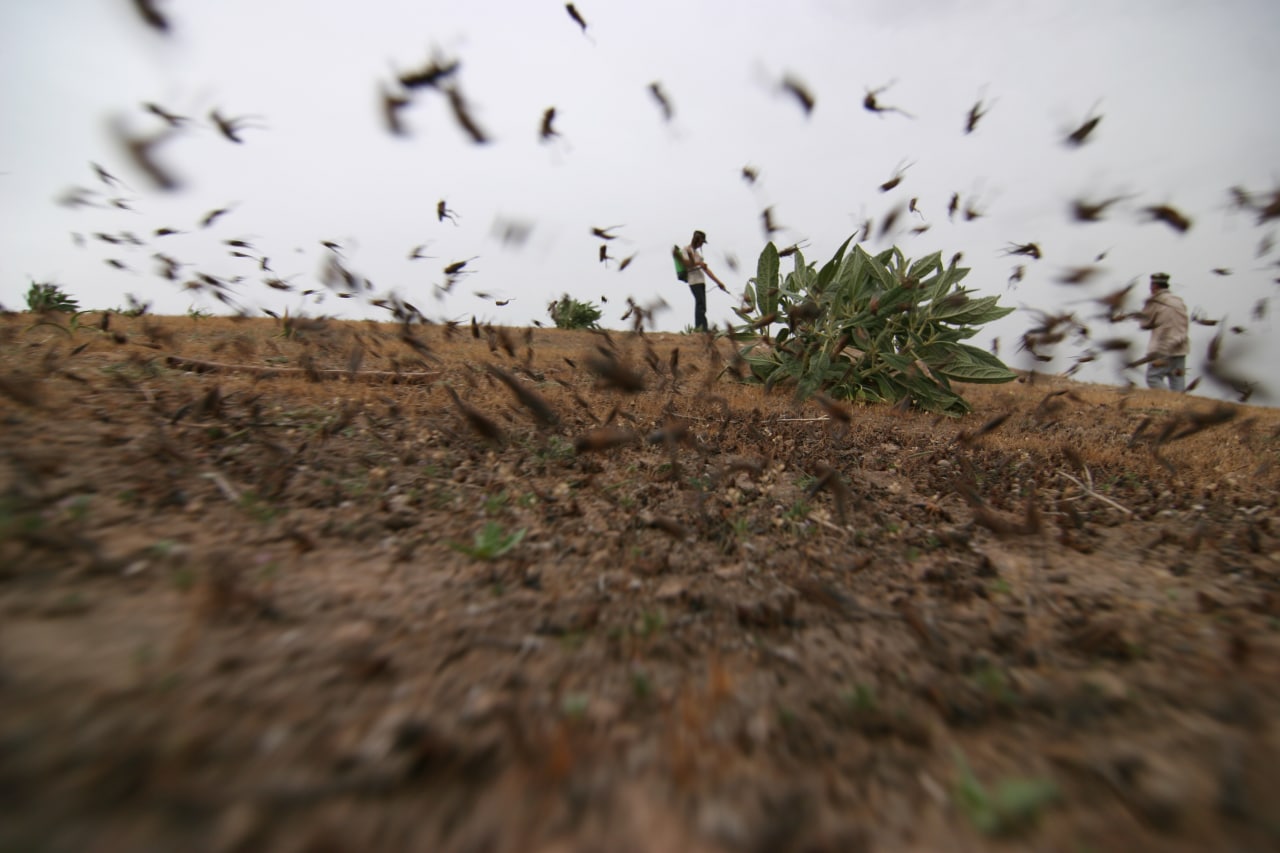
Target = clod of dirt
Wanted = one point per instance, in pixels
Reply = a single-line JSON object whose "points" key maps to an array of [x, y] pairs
{"points": [[775, 610]]}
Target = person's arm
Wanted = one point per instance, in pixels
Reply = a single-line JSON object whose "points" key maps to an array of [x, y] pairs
{"points": [[699, 263], [1145, 316]]}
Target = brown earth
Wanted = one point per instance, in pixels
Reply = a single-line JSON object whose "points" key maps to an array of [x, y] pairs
{"points": [[322, 611]]}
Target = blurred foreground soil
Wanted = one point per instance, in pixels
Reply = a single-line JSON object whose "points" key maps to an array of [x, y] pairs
{"points": [[309, 601]]}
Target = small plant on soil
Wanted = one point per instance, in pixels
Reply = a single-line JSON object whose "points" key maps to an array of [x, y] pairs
{"points": [[569, 313], [42, 297], [994, 683], [494, 504], [641, 685], [574, 705], [1012, 805], [258, 508], [490, 542], [878, 328], [797, 512], [861, 698], [651, 622], [17, 518]]}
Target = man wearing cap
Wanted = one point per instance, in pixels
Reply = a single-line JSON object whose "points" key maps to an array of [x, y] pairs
{"points": [[698, 272], [1165, 315]]}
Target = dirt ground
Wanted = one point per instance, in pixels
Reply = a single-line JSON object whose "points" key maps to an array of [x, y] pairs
{"points": [[610, 598]]}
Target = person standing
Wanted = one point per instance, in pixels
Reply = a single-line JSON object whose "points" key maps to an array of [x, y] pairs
{"points": [[698, 272], [1165, 315]]}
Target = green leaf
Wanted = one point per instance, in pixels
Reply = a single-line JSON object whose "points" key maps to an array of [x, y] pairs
{"points": [[972, 312], [925, 265], [887, 279], [762, 368], [799, 280], [900, 363], [896, 296], [767, 280], [820, 365], [981, 318], [797, 260], [935, 398], [887, 388], [947, 280], [965, 363], [832, 266], [853, 279]]}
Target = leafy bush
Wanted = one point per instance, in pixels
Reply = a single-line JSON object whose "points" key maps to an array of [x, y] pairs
{"points": [[50, 297], [876, 328], [569, 313]]}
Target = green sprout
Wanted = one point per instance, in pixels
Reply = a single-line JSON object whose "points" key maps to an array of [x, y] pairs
{"points": [[1013, 805], [490, 542]]}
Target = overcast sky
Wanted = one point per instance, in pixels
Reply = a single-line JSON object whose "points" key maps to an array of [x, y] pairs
{"points": [[1184, 91]]}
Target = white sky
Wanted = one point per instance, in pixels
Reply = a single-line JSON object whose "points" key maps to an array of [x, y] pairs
{"points": [[1184, 90]]}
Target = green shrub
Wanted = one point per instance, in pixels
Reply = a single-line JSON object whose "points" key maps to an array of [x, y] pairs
{"points": [[877, 328], [50, 297], [569, 313]]}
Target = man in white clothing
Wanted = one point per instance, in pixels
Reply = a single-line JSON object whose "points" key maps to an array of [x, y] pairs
{"points": [[698, 272], [1165, 315]]}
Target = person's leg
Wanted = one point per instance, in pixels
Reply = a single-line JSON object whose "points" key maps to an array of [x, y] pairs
{"points": [[1156, 372], [699, 306], [1178, 372]]}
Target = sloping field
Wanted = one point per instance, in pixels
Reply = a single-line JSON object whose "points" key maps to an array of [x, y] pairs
{"points": [[327, 588]]}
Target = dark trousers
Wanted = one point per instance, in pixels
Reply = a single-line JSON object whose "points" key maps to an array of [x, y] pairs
{"points": [[699, 306]]}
